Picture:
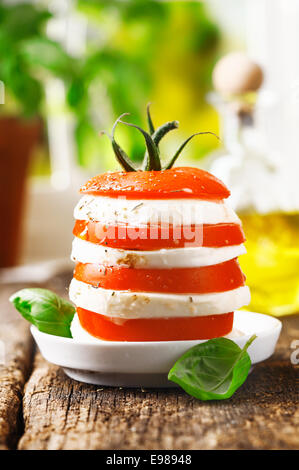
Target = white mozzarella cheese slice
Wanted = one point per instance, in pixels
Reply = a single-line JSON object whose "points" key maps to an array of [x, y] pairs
{"points": [[128, 305], [189, 257], [137, 213]]}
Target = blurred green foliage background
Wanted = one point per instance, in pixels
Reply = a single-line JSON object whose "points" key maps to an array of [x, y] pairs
{"points": [[136, 51]]}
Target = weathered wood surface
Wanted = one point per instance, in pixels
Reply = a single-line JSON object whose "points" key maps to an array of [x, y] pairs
{"points": [[15, 362], [60, 413]]}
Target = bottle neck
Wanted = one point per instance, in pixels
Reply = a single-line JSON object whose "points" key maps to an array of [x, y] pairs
{"points": [[235, 119], [233, 125]]}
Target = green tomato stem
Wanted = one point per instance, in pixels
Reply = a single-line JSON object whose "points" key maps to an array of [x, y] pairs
{"points": [[153, 159], [178, 152], [149, 119]]}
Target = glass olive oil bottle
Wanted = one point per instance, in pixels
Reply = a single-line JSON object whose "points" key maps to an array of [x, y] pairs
{"points": [[256, 181]]}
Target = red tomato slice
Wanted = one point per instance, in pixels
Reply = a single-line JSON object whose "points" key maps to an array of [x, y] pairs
{"points": [[157, 329], [165, 237], [217, 278], [181, 182]]}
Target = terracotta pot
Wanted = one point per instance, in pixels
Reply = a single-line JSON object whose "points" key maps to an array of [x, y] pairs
{"points": [[17, 139]]}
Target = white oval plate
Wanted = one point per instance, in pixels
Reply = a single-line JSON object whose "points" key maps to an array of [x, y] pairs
{"points": [[135, 364]]}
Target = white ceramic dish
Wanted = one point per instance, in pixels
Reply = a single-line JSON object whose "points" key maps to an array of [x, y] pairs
{"points": [[146, 364]]}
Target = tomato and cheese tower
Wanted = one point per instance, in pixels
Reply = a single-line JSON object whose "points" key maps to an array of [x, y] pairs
{"points": [[156, 251]]}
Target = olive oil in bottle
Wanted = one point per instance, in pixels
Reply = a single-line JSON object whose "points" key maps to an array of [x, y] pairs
{"points": [[271, 263]]}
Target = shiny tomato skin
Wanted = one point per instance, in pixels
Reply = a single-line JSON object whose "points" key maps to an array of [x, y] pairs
{"points": [[180, 182], [158, 329], [208, 279], [119, 236]]}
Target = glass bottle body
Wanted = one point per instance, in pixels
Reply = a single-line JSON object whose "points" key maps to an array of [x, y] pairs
{"points": [[270, 223]]}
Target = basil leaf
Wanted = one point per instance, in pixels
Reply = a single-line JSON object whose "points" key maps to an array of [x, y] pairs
{"points": [[44, 309], [213, 370]]}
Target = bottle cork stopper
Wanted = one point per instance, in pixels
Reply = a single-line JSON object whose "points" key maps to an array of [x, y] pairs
{"points": [[237, 74]]}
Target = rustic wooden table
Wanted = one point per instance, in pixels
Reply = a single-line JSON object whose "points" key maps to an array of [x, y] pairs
{"points": [[40, 408]]}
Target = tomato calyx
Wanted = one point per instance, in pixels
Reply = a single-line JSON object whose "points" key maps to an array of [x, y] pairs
{"points": [[152, 139]]}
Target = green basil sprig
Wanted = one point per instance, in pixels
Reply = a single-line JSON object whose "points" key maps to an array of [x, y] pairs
{"points": [[44, 309], [213, 370]]}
